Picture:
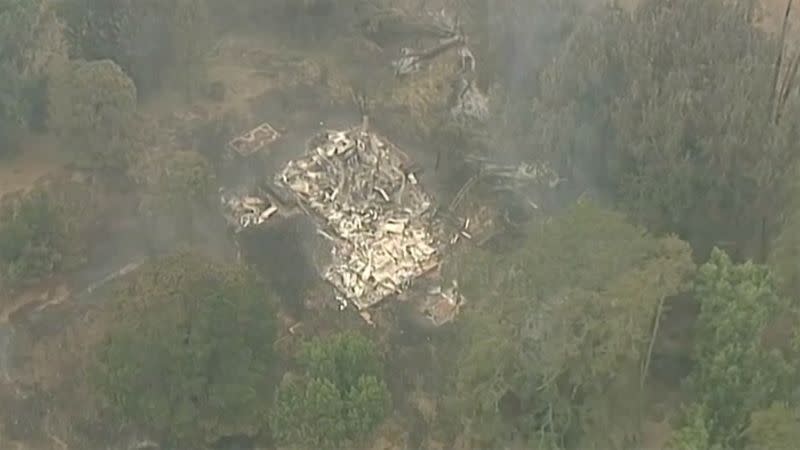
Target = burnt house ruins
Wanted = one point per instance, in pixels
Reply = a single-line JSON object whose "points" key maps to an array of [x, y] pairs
{"points": [[380, 232], [380, 226]]}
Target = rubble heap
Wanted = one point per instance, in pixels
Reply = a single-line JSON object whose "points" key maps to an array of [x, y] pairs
{"points": [[242, 210], [369, 205], [442, 304], [468, 104]]}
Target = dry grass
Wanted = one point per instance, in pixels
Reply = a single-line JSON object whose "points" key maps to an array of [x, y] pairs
{"points": [[770, 17], [423, 95], [39, 156], [773, 13]]}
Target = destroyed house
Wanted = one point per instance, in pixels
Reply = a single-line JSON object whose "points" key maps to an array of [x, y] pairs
{"points": [[357, 187]]}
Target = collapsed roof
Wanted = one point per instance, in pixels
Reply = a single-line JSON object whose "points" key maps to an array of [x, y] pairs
{"points": [[359, 189]]}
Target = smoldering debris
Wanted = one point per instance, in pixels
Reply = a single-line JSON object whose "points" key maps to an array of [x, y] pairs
{"points": [[411, 60], [468, 103], [243, 209], [441, 305], [538, 173], [358, 188], [245, 206], [521, 179], [383, 231]]}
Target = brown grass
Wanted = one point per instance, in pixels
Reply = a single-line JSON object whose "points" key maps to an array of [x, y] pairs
{"points": [[39, 156]]}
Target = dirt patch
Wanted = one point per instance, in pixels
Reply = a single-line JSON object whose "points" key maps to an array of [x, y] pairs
{"points": [[773, 12], [38, 157], [48, 293], [655, 435]]}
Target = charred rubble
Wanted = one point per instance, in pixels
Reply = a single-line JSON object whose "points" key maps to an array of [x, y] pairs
{"points": [[468, 104], [365, 200], [382, 231], [356, 187]]}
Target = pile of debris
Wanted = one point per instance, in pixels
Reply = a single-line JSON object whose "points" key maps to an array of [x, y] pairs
{"points": [[247, 206], [441, 305], [243, 210], [368, 203], [468, 104]]}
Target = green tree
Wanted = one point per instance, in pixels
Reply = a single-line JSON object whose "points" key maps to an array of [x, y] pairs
{"points": [[774, 428], [671, 109], [31, 238], [340, 398], [43, 231], [694, 434], [557, 340], [190, 357], [92, 108], [737, 370], [308, 413], [155, 41], [17, 19]]}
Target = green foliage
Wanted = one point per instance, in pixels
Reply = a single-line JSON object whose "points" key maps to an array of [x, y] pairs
{"points": [[17, 34], [43, 231], [560, 327], [12, 109], [190, 357], [736, 372], [669, 108], [774, 428], [340, 398], [31, 238], [153, 40], [694, 434], [18, 27], [343, 359], [92, 108], [309, 413]]}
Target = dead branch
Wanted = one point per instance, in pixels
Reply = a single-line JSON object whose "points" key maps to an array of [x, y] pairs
{"points": [[779, 58], [787, 84]]}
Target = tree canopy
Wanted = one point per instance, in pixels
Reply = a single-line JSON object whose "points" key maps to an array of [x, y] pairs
{"points": [[776, 428], [155, 41], [20, 26], [672, 110], [31, 238], [339, 398], [560, 332], [738, 369], [42, 231], [191, 355], [92, 108]]}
